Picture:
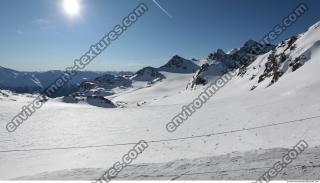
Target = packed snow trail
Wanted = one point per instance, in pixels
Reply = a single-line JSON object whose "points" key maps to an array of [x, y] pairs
{"points": [[234, 166]]}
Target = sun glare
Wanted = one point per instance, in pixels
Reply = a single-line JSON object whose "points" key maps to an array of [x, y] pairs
{"points": [[71, 7]]}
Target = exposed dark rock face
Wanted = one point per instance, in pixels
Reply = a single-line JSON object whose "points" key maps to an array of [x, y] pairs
{"points": [[218, 55], [296, 64], [178, 64], [101, 85], [279, 57], [111, 81], [100, 101], [87, 85], [148, 74], [3, 94], [250, 50], [219, 62], [198, 80]]}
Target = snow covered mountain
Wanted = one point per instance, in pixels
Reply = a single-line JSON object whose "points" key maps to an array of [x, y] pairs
{"points": [[178, 64], [35, 82], [109, 85], [149, 74], [107, 81], [93, 92], [18, 81], [262, 68], [288, 57], [219, 63]]}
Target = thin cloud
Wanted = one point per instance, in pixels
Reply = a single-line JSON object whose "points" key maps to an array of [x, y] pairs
{"points": [[161, 8], [20, 32], [44, 24], [41, 21]]}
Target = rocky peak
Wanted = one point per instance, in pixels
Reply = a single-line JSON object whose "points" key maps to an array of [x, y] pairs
{"points": [[179, 64], [147, 74], [219, 54], [250, 43], [176, 61]]}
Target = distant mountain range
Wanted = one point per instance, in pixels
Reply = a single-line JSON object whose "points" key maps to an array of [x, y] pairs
{"points": [[263, 68], [35, 82]]}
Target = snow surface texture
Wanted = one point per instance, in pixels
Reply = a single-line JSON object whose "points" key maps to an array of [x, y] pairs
{"points": [[148, 108], [234, 166]]}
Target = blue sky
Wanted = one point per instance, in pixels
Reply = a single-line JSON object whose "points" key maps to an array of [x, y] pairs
{"points": [[36, 35]]}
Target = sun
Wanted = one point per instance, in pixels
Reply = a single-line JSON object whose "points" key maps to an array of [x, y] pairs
{"points": [[71, 7]]}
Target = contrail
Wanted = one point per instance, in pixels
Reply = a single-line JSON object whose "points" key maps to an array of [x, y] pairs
{"points": [[165, 11]]}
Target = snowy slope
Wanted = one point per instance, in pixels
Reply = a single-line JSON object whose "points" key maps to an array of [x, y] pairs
{"points": [[111, 87], [288, 57], [294, 96], [74, 125], [233, 166]]}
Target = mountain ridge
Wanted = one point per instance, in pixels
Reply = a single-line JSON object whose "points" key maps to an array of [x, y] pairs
{"points": [[215, 65]]}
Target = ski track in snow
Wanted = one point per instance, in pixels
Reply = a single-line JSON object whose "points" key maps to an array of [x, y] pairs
{"points": [[234, 166]]}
